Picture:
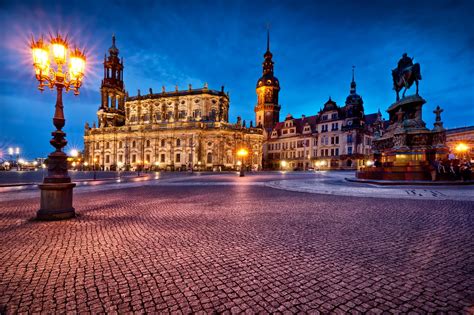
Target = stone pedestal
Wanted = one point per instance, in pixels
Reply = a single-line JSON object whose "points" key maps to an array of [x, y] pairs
{"points": [[406, 148], [56, 201]]}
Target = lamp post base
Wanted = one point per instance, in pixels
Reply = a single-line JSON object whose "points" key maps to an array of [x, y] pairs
{"points": [[56, 201]]}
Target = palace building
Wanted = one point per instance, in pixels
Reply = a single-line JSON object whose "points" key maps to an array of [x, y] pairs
{"points": [[170, 130], [335, 138]]}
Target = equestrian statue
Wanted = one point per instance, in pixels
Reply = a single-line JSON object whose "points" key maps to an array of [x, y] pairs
{"points": [[405, 74]]}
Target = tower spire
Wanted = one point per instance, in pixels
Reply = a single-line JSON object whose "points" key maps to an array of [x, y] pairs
{"points": [[268, 38], [353, 83]]}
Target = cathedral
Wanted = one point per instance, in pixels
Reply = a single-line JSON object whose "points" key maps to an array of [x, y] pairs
{"points": [[169, 130]]}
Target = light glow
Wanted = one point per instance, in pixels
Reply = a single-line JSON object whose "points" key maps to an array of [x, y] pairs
{"points": [[77, 65], [242, 152], [461, 147]]}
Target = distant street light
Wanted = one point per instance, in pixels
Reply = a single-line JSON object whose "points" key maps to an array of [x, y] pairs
{"points": [[56, 190], [242, 153], [462, 149]]}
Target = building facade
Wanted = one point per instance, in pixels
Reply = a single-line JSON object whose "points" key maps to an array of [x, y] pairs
{"points": [[335, 138], [171, 130]]}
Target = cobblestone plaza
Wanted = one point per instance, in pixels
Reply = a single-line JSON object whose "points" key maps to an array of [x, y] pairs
{"points": [[227, 244]]}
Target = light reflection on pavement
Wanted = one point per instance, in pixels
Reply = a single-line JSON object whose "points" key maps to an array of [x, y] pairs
{"points": [[332, 183]]}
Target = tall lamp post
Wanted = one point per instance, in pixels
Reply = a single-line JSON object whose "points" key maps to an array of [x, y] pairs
{"points": [[56, 189], [242, 153]]}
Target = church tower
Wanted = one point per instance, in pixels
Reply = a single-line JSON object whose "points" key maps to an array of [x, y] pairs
{"points": [[112, 108], [267, 110], [354, 107]]}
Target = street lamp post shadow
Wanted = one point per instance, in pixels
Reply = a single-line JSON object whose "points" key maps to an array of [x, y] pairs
{"points": [[57, 189]]}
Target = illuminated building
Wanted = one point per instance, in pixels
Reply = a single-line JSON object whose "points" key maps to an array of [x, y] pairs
{"points": [[335, 138], [167, 130]]}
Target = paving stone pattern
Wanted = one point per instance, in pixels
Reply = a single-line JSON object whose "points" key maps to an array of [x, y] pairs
{"points": [[238, 248]]}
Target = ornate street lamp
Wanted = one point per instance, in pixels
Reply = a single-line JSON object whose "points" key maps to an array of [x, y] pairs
{"points": [[56, 190], [242, 153]]}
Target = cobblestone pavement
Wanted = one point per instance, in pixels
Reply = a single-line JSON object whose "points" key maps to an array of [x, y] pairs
{"points": [[236, 248]]}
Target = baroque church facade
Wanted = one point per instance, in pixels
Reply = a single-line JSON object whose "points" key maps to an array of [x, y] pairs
{"points": [[338, 137], [171, 130]]}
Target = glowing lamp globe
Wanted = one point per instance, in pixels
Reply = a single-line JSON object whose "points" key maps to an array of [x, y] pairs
{"points": [[59, 48], [77, 65]]}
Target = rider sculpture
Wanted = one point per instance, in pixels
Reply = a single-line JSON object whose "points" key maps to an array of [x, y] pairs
{"points": [[405, 74]]}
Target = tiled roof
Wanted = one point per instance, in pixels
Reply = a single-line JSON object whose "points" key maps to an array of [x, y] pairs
{"points": [[460, 129]]}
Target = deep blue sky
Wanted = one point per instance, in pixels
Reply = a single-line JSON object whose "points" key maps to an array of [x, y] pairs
{"points": [[314, 44]]}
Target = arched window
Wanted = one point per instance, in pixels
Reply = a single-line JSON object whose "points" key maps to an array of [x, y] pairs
{"points": [[97, 145], [178, 142], [148, 143], [158, 115], [134, 144], [170, 115], [120, 144], [133, 118], [162, 142], [213, 114], [107, 145], [182, 114], [209, 157]]}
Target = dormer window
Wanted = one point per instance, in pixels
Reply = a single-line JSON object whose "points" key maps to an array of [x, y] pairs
{"points": [[334, 116], [325, 117]]}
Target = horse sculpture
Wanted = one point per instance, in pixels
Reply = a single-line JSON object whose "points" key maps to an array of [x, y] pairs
{"points": [[405, 75]]}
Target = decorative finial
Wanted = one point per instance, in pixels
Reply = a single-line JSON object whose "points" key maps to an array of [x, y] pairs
{"points": [[176, 88], [151, 91], [353, 67], [138, 93], [438, 112], [438, 125], [268, 37], [163, 89], [113, 39], [190, 87]]}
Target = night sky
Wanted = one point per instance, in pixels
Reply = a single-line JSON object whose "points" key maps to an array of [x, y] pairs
{"points": [[180, 42]]}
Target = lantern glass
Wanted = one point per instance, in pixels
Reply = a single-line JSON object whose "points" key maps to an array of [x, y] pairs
{"points": [[59, 52], [77, 67], [40, 58]]}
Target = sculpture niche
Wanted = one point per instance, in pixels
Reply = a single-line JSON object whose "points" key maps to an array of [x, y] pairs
{"points": [[405, 74]]}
